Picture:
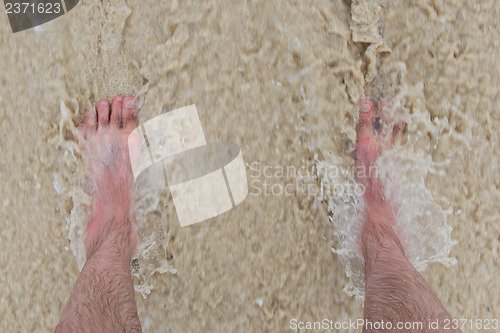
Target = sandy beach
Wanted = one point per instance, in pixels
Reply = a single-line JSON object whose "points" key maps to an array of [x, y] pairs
{"points": [[283, 80]]}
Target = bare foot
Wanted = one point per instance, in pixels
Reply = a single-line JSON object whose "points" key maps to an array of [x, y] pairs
{"points": [[395, 291], [110, 178], [379, 214]]}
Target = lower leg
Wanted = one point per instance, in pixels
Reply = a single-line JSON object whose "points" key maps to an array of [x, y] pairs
{"points": [[102, 299], [395, 291]]}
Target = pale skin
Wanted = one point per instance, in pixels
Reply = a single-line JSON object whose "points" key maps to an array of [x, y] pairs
{"points": [[102, 299]]}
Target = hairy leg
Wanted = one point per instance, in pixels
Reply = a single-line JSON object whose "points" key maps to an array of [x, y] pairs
{"points": [[395, 291], [102, 299]]}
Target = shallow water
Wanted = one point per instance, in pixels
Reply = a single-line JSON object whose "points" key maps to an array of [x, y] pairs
{"points": [[283, 80]]}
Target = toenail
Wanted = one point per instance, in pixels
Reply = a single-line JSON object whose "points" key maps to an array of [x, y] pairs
{"points": [[365, 107], [103, 102], [119, 99], [130, 104]]}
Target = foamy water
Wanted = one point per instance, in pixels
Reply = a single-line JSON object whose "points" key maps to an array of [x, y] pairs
{"points": [[421, 215]]}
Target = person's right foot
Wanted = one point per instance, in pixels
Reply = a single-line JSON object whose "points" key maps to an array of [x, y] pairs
{"points": [[106, 143], [378, 212], [394, 290]]}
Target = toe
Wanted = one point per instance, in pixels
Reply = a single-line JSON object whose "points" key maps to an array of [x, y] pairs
{"points": [[392, 116], [116, 111], [103, 112], [90, 121], [366, 112], [130, 112], [366, 120], [377, 125], [366, 144], [398, 129]]}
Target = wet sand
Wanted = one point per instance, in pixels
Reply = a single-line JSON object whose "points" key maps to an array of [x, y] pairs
{"points": [[283, 80]]}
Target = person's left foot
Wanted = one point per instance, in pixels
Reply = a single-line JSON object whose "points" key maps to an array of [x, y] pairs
{"points": [[106, 139]]}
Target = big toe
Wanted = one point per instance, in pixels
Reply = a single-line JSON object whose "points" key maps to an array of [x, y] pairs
{"points": [[366, 111], [130, 113], [366, 120], [366, 143]]}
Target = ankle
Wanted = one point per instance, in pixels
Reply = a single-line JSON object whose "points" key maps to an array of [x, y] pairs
{"points": [[115, 237]]}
